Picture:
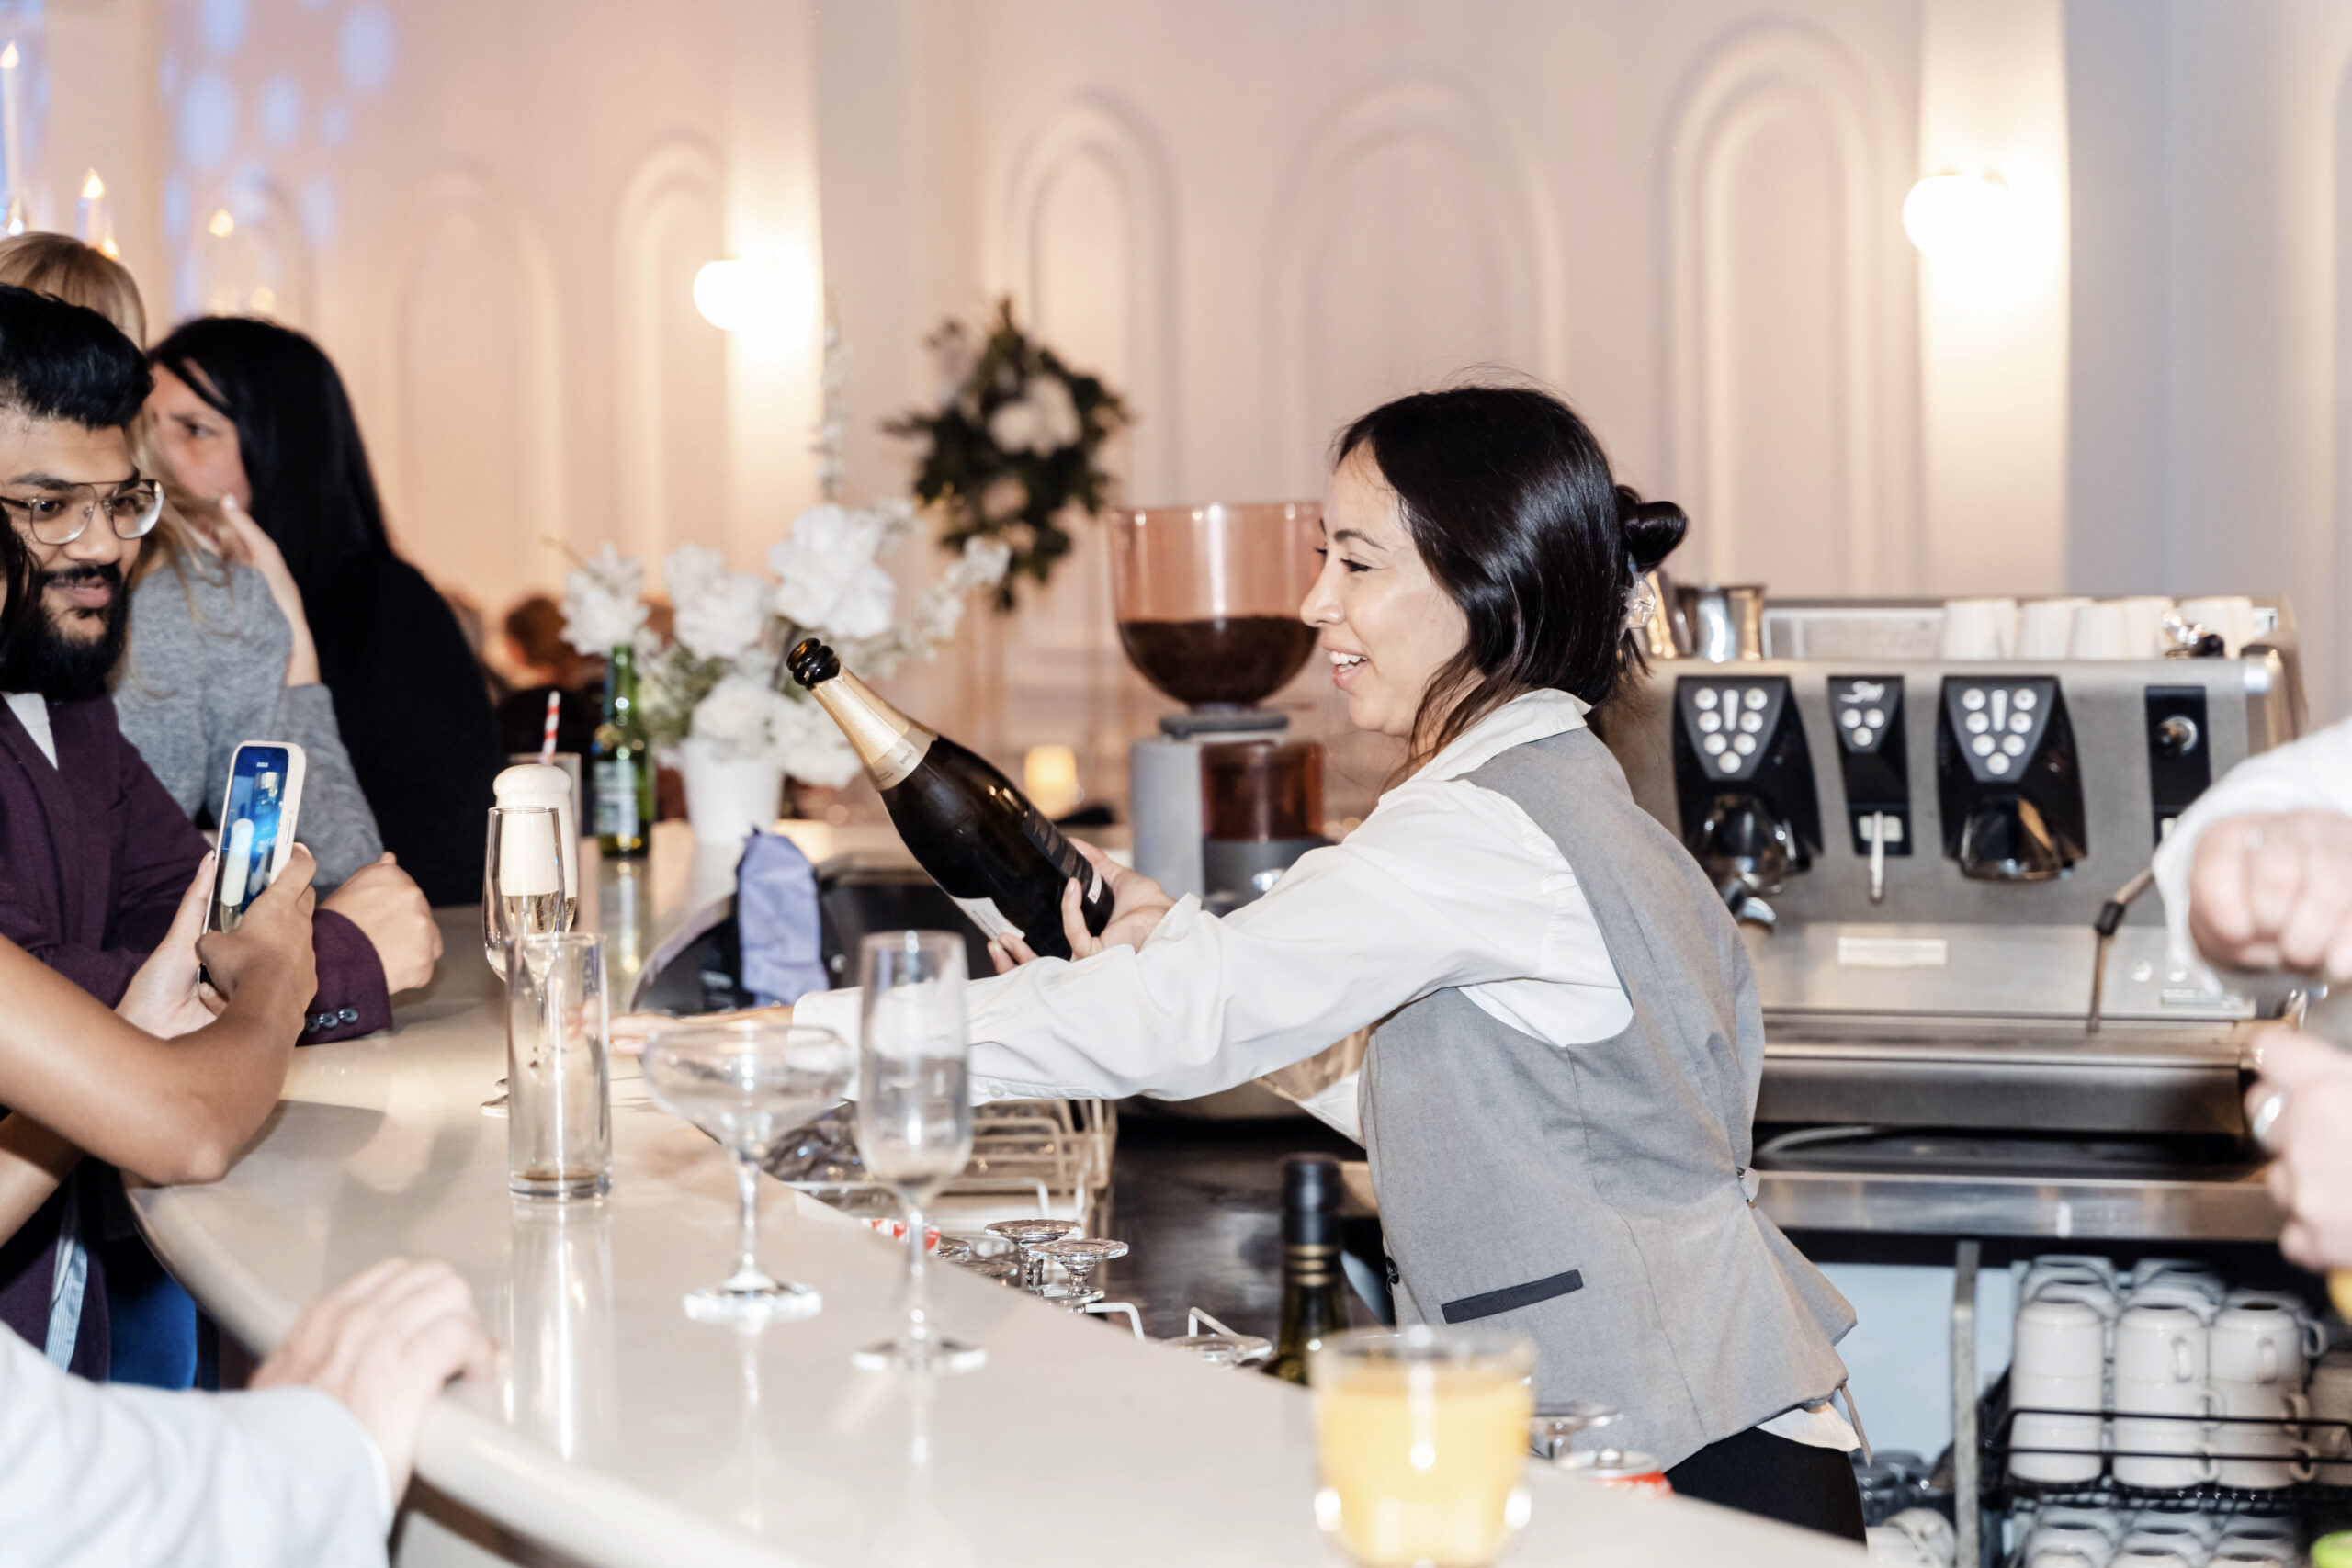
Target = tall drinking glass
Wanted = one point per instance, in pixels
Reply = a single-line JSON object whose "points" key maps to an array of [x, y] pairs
{"points": [[1422, 1435], [559, 1097], [522, 878], [914, 1113], [749, 1085]]}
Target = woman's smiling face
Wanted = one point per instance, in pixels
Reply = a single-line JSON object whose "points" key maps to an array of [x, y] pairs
{"points": [[1384, 623]]}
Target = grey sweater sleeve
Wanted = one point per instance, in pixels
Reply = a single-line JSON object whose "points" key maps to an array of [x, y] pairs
{"points": [[206, 672]]}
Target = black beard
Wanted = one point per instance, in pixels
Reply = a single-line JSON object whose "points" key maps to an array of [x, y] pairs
{"points": [[63, 668]]}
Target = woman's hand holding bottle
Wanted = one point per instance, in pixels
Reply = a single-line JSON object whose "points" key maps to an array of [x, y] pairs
{"points": [[1137, 906]]}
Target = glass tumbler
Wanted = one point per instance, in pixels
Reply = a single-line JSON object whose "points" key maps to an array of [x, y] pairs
{"points": [[1422, 1437], [558, 1096]]}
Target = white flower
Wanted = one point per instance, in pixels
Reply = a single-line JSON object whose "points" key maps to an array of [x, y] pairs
{"points": [[812, 747], [988, 560], [737, 717], [1014, 426], [601, 608], [721, 614], [829, 580], [1057, 421]]}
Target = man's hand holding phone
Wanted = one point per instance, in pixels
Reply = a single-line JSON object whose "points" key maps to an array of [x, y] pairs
{"points": [[266, 963]]}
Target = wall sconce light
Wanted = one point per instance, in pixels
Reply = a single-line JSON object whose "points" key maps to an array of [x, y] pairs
{"points": [[1988, 240], [774, 299]]}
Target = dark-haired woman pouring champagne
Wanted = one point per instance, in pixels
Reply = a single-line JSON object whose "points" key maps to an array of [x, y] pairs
{"points": [[1559, 1092]]}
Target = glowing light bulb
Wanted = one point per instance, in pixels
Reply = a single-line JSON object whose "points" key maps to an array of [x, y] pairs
{"points": [[1987, 240], [93, 187], [222, 225], [773, 298], [8, 57]]}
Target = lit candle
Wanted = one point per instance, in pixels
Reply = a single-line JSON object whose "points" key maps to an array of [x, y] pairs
{"points": [[90, 216], [13, 130]]}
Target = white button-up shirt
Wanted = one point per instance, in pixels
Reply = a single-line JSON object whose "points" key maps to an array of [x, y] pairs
{"points": [[1445, 884]]}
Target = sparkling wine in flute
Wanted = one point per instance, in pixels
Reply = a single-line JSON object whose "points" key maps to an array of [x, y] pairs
{"points": [[980, 838]]}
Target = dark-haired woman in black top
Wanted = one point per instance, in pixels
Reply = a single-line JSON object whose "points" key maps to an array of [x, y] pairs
{"points": [[256, 413]]}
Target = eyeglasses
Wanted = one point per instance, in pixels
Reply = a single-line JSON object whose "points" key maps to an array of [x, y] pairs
{"points": [[60, 515]]}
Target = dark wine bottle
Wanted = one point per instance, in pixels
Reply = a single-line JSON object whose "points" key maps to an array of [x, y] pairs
{"points": [[620, 766], [1314, 1295], [981, 840]]}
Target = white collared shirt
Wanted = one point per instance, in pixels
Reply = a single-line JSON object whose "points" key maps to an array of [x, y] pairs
{"points": [[1445, 884]]}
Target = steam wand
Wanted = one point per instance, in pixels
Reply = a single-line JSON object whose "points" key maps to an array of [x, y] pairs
{"points": [[2110, 917]]}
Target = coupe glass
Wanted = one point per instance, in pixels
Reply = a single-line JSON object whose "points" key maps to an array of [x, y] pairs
{"points": [[748, 1085], [522, 879], [1078, 1256], [914, 1113], [1029, 1235]]}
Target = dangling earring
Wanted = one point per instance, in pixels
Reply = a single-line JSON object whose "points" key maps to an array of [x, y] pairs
{"points": [[1640, 604]]}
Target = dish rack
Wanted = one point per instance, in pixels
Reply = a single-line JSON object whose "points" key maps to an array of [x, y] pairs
{"points": [[1031, 1158], [2316, 1504]]}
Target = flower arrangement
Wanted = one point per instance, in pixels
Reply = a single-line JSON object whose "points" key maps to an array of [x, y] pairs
{"points": [[718, 679], [1014, 443]]}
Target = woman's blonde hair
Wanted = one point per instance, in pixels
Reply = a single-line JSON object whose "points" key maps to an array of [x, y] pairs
{"points": [[65, 268]]}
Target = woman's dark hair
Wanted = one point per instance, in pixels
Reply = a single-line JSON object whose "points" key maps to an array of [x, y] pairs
{"points": [[313, 492], [20, 611], [1509, 499]]}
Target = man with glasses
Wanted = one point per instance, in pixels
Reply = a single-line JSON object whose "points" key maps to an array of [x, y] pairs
{"points": [[94, 852]]}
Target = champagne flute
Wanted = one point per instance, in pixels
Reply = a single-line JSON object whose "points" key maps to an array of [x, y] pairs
{"points": [[749, 1085], [914, 1114], [522, 879]]}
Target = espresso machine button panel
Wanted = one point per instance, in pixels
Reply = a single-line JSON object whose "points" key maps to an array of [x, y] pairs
{"points": [[2008, 782], [1728, 723], [1874, 761], [1744, 781], [2180, 761]]}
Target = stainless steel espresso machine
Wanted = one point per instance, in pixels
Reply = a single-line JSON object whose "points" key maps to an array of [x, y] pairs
{"points": [[1923, 852]]}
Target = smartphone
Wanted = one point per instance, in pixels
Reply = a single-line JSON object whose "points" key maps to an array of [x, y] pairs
{"points": [[257, 817]]}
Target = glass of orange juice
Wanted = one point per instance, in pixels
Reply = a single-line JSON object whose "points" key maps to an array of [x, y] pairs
{"points": [[1423, 1433]]}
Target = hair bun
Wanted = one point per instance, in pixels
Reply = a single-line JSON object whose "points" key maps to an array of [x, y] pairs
{"points": [[1651, 527]]}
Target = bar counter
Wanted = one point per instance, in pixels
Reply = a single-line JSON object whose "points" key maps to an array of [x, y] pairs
{"points": [[618, 1432]]}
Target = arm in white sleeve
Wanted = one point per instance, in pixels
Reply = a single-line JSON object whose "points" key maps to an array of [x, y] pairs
{"points": [[131, 1476], [1446, 885], [2314, 774]]}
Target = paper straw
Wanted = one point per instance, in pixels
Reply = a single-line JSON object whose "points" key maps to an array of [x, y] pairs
{"points": [[547, 735]]}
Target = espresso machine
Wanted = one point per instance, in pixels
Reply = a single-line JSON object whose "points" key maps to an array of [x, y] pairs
{"points": [[1223, 800], [1934, 862]]}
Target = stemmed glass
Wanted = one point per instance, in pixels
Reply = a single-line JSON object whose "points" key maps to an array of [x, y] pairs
{"points": [[914, 1114], [522, 879], [1078, 1256], [1029, 1235], [748, 1085]]}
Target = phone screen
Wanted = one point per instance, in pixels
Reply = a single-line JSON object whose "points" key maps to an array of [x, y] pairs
{"points": [[249, 832]]}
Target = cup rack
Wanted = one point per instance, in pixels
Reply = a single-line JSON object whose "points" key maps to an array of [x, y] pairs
{"points": [[2312, 1503], [1052, 1155]]}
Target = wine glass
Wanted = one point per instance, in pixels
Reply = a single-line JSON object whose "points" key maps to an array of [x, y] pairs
{"points": [[748, 1085], [522, 879], [914, 1113]]}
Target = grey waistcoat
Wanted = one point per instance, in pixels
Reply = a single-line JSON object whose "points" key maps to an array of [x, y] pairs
{"points": [[1590, 1196]]}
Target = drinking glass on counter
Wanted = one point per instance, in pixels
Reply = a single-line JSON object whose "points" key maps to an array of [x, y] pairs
{"points": [[748, 1085], [558, 1097], [914, 1113], [522, 879], [1423, 1433]]}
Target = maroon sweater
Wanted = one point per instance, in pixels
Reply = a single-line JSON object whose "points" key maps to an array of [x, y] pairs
{"points": [[93, 857]]}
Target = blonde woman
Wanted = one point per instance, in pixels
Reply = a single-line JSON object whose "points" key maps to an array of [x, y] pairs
{"points": [[219, 650]]}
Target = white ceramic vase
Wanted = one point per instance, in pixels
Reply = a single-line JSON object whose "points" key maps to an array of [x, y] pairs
{"points": [[728, 796]]}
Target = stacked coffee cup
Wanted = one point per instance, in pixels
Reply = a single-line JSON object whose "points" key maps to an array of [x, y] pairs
{"points": [[2205, 1384], [2105, 1538]]}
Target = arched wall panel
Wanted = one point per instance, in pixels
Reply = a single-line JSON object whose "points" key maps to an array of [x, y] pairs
{"points": [[672, 385]]}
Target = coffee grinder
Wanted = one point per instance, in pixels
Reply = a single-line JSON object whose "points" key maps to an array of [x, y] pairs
{"points": [[1208, 599]]}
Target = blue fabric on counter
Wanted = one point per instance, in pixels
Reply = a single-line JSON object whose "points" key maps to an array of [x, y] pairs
{"points": [[777, 920]]}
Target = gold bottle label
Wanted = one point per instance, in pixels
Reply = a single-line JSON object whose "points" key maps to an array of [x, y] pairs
{"points": [[890, 744]]}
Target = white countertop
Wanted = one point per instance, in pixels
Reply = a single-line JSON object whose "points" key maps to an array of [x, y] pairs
{"points": [[618, 1432]]}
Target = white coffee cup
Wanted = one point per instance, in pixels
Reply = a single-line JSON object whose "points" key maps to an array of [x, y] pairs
{"points": [[2055, 1449], [2258, 1540], [2099, 1297], [2162, 1433], [2059, 1339], [2046, 626], [1980, 629], [2156, 1532], [2109, 1526], [2228, 1556], [2149, 1269], [2206, 1528], [1930, 1531], [2144, 620], [2062, 1557], [2074, 1262], [2152, 1557], [2267, 1454], [2177, 1291], [2330, 1395], [1892, 1548], [2263, 1342], [2160, 1342], [2081, 1537], [2102, 630]]}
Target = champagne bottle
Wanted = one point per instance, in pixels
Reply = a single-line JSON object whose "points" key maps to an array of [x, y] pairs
{"points": [[981, 840], [1314, 1294], [621, 769]]}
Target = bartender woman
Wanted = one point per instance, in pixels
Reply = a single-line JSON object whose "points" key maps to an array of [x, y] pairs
{"points": [[1558, 1097]]}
